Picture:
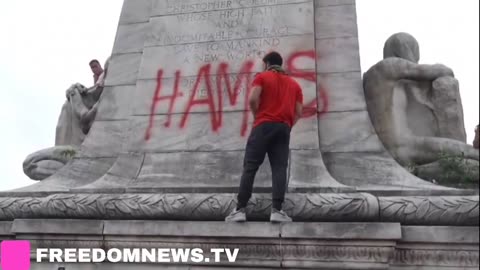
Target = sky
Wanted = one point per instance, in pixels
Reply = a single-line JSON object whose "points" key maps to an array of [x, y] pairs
{"points": [[47, 44]]}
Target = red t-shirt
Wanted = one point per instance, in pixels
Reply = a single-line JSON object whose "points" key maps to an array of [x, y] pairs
{"points": [[278, 99]]}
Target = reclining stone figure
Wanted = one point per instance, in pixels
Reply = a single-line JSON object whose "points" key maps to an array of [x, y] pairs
{"points": [[76, 118], [416, 109]]}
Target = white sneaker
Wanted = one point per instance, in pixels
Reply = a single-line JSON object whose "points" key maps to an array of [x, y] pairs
{"points": [[279, 216], [237, 216]]}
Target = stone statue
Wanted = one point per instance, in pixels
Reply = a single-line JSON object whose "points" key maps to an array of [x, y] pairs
{"points": [[416, 109], [76, 118], [476, 140]]}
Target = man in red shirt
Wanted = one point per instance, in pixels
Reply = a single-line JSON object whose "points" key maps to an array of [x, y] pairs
{"points": [[276, 103]]}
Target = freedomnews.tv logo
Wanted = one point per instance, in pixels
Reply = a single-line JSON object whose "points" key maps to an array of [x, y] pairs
{"points": [[15, 255]]}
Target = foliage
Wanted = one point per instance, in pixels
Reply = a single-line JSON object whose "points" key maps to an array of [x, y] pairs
{"points": [[457, 169], [69, 154], [453, 171]]}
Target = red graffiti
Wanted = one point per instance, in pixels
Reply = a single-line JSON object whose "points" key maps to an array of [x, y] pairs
{"points": [[233, 92], [157, 98], [245, 73], [205, 73], [310, 108]]}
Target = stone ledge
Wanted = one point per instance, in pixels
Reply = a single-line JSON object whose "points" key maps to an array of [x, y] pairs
{"points": [[57, 226], [264, 245], [342, 231], [150, 228], [440, 234], [191, 228], [308, 207]]}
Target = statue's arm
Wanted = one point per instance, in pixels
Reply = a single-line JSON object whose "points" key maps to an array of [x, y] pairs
{"points": [[399, 69], [95, 91], [87, 118]]}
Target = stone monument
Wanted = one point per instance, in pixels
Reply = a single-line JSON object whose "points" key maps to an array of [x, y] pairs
{"points": [[76, 119], [167, 142], [416, 109]]}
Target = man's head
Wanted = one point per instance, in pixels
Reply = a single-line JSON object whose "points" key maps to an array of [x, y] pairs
{"points": [[96, 67], [272, 59]]}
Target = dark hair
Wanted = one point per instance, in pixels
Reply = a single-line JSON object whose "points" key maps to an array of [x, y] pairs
{"points": [[273, 58], [94, 61]]}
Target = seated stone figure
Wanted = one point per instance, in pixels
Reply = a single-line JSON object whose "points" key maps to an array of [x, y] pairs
{"points": [[476, 140], [76, 118], [416, 109]]}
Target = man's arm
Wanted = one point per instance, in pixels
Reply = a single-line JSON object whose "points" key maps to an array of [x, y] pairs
{"points": [[254, 100], [298, 112]]}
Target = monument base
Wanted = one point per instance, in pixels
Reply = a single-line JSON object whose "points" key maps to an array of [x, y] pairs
{"points": [[261, 245], [302, 207]]}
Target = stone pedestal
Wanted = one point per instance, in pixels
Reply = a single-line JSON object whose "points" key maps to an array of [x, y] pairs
{"points": [[262, 245]]}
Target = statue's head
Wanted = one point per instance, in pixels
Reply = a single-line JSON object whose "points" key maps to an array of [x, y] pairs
{"points": [[402, 45]]}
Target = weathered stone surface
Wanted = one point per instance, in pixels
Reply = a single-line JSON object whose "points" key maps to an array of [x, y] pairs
{"points": [[345, 231], [196, 135], [196, 171], [326, 3], [337, 55], [191, 229], [281, 244], [344, 92], [357, 136], [458, 211], [307, 174], [130, 38], [116, 103], [46, 162], [105, 140], [5, 229], [79, 172], [447, 103], [123, 69], [199, 134], [335, 21], [437, 248], [135, 11], [298, 245], [377, 172], [188, 58], [125, 170], [71, 129], [215, 25], [440, 234], [171, 7], [170, 206], [58, 226]]}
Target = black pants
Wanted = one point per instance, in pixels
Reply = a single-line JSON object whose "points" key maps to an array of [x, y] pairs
{"points": [[272, 139]]}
